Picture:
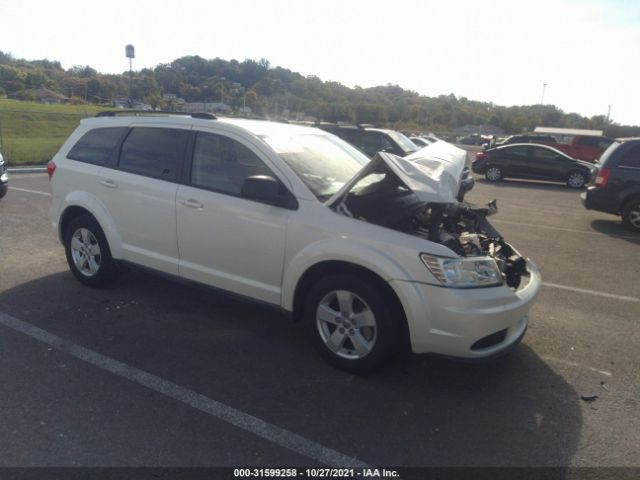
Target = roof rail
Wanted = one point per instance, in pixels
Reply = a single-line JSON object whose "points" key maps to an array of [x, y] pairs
{"points": [[114, 113]]}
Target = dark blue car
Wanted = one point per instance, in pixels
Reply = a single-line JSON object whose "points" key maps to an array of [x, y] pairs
{"points": [[616, 186]]}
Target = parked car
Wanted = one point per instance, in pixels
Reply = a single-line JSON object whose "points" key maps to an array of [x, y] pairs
{"points": [[372, 140], [531, 161], [616, 186], [420, 142], [475, 139], [583, 147], [4, 177], [371, 255], [521, 139]]}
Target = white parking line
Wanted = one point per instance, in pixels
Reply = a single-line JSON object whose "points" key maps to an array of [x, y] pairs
{"points": [[591, 292], [575, 364], [237, 418], [30, 191], [548, 227]]}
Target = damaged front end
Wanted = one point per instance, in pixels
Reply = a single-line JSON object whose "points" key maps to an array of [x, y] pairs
{"points": [[424, 197]]}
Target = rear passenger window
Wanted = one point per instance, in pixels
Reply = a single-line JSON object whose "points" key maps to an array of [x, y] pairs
{"points": [[97, 145], [631, 159], [221, 164], [154, 152]]}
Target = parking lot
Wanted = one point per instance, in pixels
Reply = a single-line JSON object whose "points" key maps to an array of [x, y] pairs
{"points": [[152, 372]]}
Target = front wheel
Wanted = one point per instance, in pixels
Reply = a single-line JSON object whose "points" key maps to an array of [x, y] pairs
{"points": [[576, 179], [631, 215], [350, 323], [88, 253]]}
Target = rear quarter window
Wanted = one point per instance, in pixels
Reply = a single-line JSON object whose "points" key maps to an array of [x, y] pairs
{"points": [[630, 158], [154, 152], [97, 145]]}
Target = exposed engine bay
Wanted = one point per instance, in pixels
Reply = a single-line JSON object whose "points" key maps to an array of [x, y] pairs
{"points": [[382, 198]]}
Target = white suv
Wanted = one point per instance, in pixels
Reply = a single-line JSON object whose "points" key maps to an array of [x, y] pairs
{"points": [[370, 255]]}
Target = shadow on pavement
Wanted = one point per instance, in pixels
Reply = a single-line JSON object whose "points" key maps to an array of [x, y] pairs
{"points": [[615, 228], [419, 411]]}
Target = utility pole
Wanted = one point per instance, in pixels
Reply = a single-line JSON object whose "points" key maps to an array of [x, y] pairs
{"points": [[544, 87], [606, 122], [130, 53]]}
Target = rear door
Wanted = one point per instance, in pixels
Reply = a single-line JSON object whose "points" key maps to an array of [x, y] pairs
{"points": [[139, 190], [547, 164], [225, 240]]}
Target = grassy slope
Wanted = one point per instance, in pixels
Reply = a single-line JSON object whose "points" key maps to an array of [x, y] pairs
{"points": [[33, 132]]}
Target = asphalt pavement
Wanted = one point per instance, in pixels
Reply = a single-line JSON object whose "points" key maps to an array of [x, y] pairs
{"points": [[152, 372]]}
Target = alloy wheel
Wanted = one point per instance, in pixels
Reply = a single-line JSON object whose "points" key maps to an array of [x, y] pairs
{"points": [[494, 174], [346, 324], [85, 252]]}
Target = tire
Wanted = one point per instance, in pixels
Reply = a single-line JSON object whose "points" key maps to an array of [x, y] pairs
{"points": [[576, 179], [631, 215], [493, 173], [358, 347], [88, 253]]}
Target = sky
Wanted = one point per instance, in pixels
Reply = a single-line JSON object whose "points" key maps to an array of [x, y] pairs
{"points": [[502, 51]]}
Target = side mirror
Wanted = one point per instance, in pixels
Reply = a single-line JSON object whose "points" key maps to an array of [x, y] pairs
{"points": [[261, 188]]}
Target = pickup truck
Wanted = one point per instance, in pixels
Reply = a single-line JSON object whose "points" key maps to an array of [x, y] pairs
{"points": [[583, 147]]}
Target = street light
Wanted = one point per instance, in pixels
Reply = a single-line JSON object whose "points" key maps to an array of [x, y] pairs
{"points": [[544, 87], [130, 53]]}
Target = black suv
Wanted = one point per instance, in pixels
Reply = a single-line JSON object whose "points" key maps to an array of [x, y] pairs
{"points": [[616, 186], [374, 140]]}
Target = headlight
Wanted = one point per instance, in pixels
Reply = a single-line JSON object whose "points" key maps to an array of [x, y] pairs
{"points": [[463, 272]]}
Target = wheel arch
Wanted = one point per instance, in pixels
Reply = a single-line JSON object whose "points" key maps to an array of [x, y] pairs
{"points": [[78, 204], [328, 267]]}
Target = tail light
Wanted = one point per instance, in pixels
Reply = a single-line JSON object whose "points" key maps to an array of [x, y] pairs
{"points": [[480, 155], [602, 177], [51, 168]]}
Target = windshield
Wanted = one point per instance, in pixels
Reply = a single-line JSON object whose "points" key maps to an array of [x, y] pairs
{"points": [[405, 144], [323, 162]]}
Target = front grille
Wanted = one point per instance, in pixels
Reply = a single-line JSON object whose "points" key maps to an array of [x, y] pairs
{"points": [[490, 340]]}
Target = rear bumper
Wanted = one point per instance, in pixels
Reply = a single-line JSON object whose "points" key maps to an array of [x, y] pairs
{"points": [[598, 199], [469, 324]]}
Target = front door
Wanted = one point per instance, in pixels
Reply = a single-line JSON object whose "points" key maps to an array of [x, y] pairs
{"points": [[225, 240]]}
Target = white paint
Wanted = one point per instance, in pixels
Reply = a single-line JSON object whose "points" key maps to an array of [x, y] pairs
{"points": [[235, 417], [575, 364], [30, 191], [591, 292]]}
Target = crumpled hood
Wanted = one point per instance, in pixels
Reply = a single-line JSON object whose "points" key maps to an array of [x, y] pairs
{"points": [[433, 173]]}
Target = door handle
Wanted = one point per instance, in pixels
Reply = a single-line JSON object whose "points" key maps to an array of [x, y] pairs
{"points": [[109, 183], [192, 204]]}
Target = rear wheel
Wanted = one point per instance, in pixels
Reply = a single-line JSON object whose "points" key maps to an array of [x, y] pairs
{"points": [[493, 174], [88, 253], [631, 215], [350, 323], [576, 179]]}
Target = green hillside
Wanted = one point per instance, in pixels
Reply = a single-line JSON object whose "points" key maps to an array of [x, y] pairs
{"points": [[32, 133]]}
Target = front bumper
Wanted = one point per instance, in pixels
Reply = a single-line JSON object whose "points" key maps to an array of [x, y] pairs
{"points": [[467, 323]]}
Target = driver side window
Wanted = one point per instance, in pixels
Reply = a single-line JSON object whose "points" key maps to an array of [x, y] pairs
{"points": [[221, 164]]}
